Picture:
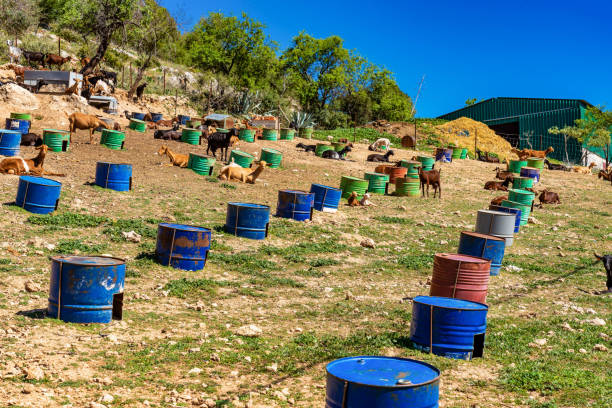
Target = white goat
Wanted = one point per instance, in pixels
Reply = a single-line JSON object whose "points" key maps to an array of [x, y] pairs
{"points": [[14, 51], [379, 143]]}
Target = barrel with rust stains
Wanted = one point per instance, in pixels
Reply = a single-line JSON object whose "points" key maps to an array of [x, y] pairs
{"points": [[395, 173], [295, 204], [326, 198], [483, 246], [182, 246], [86, 289], [385, 382], [247, 220], [461, 277], [407, 187], [451, 328], [377, 183], [499, 224]]}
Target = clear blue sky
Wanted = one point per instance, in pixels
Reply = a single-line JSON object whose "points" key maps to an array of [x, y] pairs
{"points": [[538, 48]]}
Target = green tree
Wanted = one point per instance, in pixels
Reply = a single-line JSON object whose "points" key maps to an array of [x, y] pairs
{"points": [[471, 102], [50, 10], [17, 16], [100, 18], [388, 100]]}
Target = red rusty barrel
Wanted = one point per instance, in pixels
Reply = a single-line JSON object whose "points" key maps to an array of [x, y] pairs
{"points": [[460, 277], [395, 173]]}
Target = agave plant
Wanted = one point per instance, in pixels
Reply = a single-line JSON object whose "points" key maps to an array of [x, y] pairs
{"points": [[302, 120], [248, 102]]}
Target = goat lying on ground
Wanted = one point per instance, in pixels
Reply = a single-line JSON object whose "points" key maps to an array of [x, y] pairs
{"points": [[31, 139], [353, 201], [430, 178], [222, 141], [380, 157], [606, 175], [549, 197], [583, 170], [170, 134], [20, 166], [379, 143], [365, 201], [607, 261], [334, 155], [527, 153], [307, 148], [503, 175], [237, 173], [498, 185], [498, 200], [85, 122], [176, 159], [554, 166]]}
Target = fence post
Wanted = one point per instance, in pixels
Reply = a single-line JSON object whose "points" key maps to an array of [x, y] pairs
{"points": [[475, 143]]}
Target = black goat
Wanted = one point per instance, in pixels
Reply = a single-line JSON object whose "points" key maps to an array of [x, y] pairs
{"points": [[221, 141], [554, 166], [140, 90], [334, 155], [607, 261], [307, 148], [31, 139], [380, 157], [110, 75], [170, 134], [32, 56]]}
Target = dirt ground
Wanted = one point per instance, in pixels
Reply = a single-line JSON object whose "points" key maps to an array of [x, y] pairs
{"points": [[312, 289]]}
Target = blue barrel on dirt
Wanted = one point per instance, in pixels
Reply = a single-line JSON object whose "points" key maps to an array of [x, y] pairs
{"points": [[183, 247], [115, 176], [483, 246], [515, 211], [326, 198], [10, 140], [382, 382], [38, 195], [138, 115], [532, 172], [183, 119], [452, 328], [86, 289], [295, 204], [156, 117], [247, 220], [20, 125]]}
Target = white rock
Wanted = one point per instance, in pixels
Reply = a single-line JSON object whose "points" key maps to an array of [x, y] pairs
{"points": [[34, 373], [272, 367], [107, 398], [583, 351], [596, 321], [195, 371], [132, 236], [600, 347], [368, 243], [249, 330], [513, 268], [94, 404], [31, 287]]}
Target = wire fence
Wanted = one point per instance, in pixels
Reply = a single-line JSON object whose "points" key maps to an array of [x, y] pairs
{"points": [[566, 149]]}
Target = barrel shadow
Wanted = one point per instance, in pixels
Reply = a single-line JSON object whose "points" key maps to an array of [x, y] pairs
{"points": [[33, 313]]}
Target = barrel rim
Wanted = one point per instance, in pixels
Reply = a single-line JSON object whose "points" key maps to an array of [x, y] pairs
{"points": [[447, 255], [63, 259], [373, 173], [57, 131], [295, 191], [248, 205], [242, 153], [173, 225], [17, 132], [351, 178], [493, 212], [114, 164], [202, 156], [35, 179], [191, 129], [327, 187], [485, 236], [403, 386], [137, 121], [270, 150], [119, 132], [417, 299]]}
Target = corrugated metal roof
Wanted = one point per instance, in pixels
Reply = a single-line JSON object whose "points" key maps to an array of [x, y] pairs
{"points": [[217, 116]]}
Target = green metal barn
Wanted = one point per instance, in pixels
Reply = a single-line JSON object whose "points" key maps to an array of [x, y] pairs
{"points": [[524, 122]]}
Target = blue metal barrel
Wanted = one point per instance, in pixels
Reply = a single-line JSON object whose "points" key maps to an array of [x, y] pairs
{"points": [[247, 220], [516, 211], [20, 125], [183, 246], [483, 246], [295, 204], [38, 195], [156, 117], [532, 172], [326, 198], [88, 289], [138, 115], [183, 119], [9, 142], [116, 176], [452, 328], [381, 382]]}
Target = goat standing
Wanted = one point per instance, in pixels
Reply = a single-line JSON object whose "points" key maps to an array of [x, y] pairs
{"points": [[222, 141], [430, 178]]}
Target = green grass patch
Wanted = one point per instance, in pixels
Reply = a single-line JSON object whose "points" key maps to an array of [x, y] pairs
{"points": [[190, 287]]}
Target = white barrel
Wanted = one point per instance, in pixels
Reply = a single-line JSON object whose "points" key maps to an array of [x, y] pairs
{"points": [[496, 223]]}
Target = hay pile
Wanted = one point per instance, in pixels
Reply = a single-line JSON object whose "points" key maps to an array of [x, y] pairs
{"points": [[488, 141]]}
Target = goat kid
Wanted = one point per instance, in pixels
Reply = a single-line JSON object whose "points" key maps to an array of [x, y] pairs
{"points": [[430, 178]]}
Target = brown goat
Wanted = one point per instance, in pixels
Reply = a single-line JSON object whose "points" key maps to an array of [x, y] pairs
{"points": [[526, 153], [498, 200], [503, 175], [605, 175], [74, 89], [430, 178], [353, 201], [548, 197], [84, 121], [54, 59], [19, 166], [498, 185]]}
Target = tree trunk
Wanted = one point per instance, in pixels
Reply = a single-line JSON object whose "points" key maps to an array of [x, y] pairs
{"points": [[139, 75], [105, 38]]}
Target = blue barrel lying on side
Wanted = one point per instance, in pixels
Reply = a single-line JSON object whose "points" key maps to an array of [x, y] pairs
{"points": [[452, 328], [516, 211], [20, 125], [483, 246], [295, 204], [183, 119], [38, 195], [385, 382], [10, 141], [183, 247], [138, 115], [326, 199], [115, 176], [156, 117], [247, 220], [86, 289]]}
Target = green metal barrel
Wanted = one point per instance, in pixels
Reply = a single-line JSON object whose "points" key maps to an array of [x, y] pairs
{"points": [[306, 133], [56, 140], [138, 125], [338, 146], [377, 182], [191, 136], [243, 159], [412, 166], [407, 187], [201, 164], [271, 156], [456, 153], [521, 196], [287, 134], [112, 139], [321, 147], [349, 184], [525, 210], [247, 135], [515, 166], [269, 134], [222, 130], [464, 153], [535, 162], [427, 162], [522, 182], [22, 116], [193, 123]]}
